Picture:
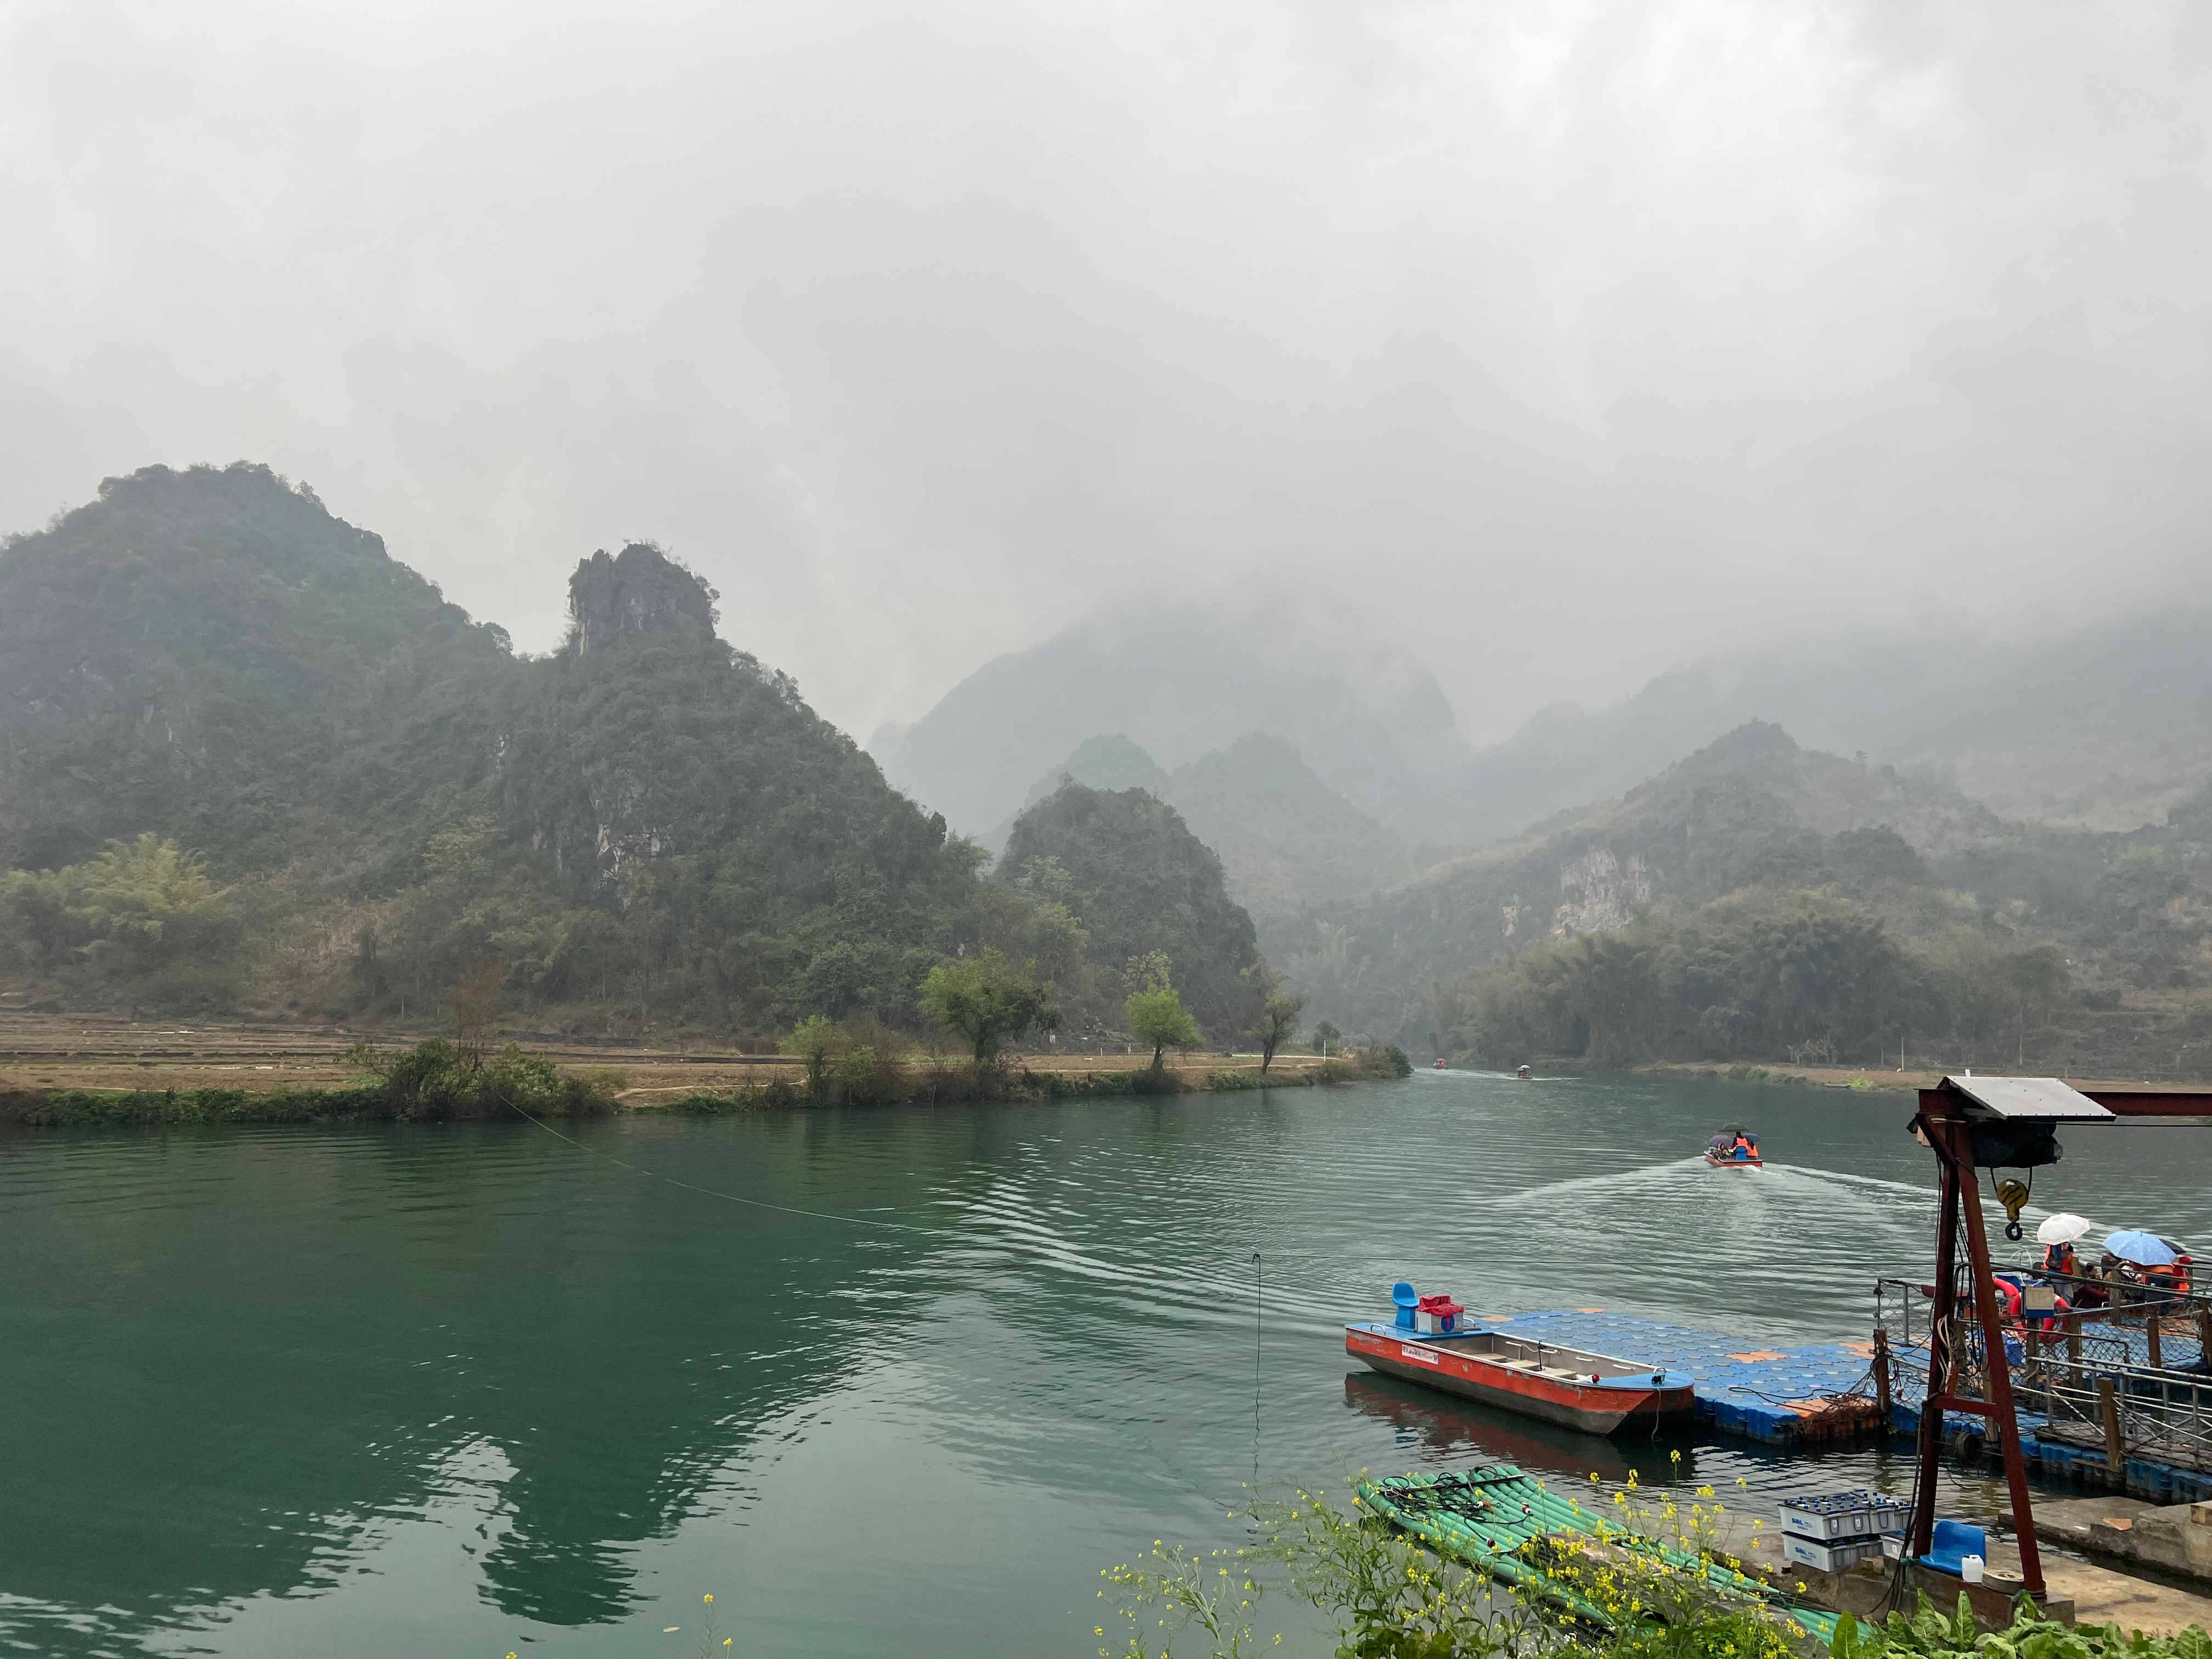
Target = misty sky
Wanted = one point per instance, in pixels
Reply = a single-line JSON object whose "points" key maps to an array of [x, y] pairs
{"points": [[1580, 339]]}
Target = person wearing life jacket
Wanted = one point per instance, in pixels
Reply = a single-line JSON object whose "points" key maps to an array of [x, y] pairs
{"points": [[2170, 1278], [1745, 1149], [2060, 1260], [2181, 1267]]}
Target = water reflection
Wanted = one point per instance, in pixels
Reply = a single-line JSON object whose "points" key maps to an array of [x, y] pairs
{"points": [[1459, 1431], [367, 1391]]}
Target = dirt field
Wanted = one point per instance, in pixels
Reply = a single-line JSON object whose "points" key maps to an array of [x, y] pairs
{"points": [[89, 1051]]}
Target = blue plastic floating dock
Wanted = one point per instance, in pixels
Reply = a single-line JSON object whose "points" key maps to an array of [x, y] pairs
{"points": [[1783, 1396], [1779, 1395]]}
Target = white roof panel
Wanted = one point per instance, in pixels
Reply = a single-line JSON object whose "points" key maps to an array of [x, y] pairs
{"points": [[2029, 1097]]}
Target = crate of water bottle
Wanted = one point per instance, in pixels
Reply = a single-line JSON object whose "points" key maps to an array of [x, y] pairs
{"points": [[1829, 1514]]}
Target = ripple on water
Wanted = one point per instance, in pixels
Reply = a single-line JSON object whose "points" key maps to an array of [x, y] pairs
{"points": [[463, 1388]]}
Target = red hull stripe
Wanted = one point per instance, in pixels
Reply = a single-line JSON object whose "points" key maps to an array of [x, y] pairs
{"points": [[1577, 1396]]}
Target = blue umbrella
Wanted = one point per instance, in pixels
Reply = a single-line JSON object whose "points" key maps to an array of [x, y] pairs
{"points": [[2144, 1249]]}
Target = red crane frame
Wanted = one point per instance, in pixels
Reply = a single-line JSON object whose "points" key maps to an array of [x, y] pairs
{"points": [[1945, 1120]]}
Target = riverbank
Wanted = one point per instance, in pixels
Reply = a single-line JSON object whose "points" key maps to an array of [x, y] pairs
{"points": [[57, 1071], [1864, 1079]]}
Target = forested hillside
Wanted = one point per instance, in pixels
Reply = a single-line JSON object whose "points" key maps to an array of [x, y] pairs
{"points": [[211, 655], [1762, 901], [247, 760], [1136, 881], [1285, 838]]}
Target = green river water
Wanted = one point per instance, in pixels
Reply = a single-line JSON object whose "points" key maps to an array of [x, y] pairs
{"points": [[423, 1389]]}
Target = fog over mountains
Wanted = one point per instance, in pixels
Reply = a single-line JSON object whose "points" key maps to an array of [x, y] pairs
{"points": [[2102, 727], [1182, 680], [249, 761]]}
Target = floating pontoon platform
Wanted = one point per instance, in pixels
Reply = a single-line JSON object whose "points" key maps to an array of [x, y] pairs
{"points": [[1782, 1397]]}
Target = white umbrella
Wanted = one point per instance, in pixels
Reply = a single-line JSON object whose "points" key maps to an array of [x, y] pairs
{"points": [[2061, 1229]]}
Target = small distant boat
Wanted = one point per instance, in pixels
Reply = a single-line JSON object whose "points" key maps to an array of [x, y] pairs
{"points": [[1524, 1074], [1440, 1062], [1593, 1392], [1734, 1148]]}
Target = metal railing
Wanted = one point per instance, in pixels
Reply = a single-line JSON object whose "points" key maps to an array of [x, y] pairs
{"points": [[2091, 1376], [2093, 1392]]}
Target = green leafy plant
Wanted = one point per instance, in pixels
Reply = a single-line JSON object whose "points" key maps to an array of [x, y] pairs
{"points": [[984, 1000], [1157, 1017], [812, 1041], [1645, 1582]]}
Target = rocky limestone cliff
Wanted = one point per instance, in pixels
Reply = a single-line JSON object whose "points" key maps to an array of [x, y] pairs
{"points": [[640, 589]]}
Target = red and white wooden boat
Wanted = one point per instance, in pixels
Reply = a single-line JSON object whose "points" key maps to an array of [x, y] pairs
{"points": [[1592, 1391]]}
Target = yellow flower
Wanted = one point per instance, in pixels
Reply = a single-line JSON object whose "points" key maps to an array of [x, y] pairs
{"points": [[710, 1598]]}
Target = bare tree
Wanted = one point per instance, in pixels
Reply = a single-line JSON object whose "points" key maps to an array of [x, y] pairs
{"points": [[1278, 1024]]}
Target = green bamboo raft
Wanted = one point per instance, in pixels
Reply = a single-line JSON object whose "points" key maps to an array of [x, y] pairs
{"points": [[1487, 1517]]}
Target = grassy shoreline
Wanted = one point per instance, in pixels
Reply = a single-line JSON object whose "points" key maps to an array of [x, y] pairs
{"points": [[490, 1094]]}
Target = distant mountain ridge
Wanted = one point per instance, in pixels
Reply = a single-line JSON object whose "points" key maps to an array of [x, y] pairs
{"points": [[1755, 799], [2103, 727], [1180, 682]]}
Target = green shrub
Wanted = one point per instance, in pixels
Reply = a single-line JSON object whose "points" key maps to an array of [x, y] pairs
{"points": [[1644, 1589], [869, 1075], [1232, 1083]]}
